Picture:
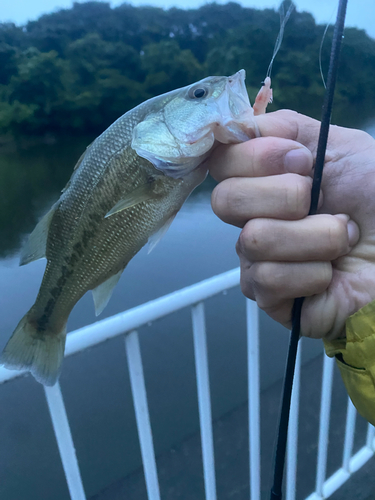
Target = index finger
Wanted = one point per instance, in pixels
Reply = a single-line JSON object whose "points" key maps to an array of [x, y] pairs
{"points": [[287, 145], [291, 125], [260, 157]]}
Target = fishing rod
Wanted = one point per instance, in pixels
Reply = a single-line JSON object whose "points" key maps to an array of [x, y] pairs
{"points": [[276, 490]]}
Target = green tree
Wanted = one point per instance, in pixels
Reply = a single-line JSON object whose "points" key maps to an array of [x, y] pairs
{"points": [[40, 85], [90, 54], [168, 67], [79, 69], [8, 62]]}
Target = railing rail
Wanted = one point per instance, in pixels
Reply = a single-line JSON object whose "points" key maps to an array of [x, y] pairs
{"points": [[124, 322], [128, 322]]}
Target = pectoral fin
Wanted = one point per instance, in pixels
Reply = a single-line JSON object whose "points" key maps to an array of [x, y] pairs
{"points": [[103, 292], [35, 247], [141, 193]]}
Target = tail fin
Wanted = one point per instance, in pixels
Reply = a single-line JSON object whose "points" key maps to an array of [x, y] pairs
{"points": [[42, 355]]}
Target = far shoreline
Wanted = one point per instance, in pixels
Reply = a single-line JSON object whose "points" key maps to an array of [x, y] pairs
{"points": [[10, 143]]}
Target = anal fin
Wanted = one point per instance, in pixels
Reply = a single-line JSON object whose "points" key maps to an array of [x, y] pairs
{"points": [[102, 293]]}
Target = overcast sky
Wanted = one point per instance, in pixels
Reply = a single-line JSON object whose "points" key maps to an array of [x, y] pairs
{"points": [[361, 13]]}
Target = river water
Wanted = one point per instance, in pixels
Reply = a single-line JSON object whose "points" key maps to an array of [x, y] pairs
{"points": [[95, 383]]}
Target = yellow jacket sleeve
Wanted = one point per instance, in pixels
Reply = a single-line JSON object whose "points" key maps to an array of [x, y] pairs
{"points": [[355, 357]]}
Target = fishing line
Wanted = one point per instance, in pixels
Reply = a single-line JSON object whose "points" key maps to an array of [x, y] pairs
{"points": [[321, 49], [276, 490], [283, 20], [320, 55]]}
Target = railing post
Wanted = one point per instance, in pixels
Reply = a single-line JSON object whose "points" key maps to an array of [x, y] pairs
{"points": [[204, 400], [349, 436], [325, 410], [291, 464], [64, 440], [137, 382], [370, 438], [252, 320]]}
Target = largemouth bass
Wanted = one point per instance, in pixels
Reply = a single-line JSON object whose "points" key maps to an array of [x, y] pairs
{"points": [[124, 191]]}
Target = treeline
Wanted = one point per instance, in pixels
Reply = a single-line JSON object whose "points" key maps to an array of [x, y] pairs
{"points": [[77, 70]]}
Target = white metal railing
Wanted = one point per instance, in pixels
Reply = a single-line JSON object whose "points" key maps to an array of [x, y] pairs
{"points": [[292, 448], [126, 324], [252, 320], [137, 381], [204, 400], [325, 487], [64, 439]]}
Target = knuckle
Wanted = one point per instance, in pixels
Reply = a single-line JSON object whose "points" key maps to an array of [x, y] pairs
{"points": [[298, 196], [288, 114], [227, 199], [266, 289], [216, 196], [242, 245], [239, 250], [246, 287], [320, 277], [246, 282], [219, 199], [263, 275], [337, 237], [326, 274], [253, 238], [291, 118], [251, 152]]}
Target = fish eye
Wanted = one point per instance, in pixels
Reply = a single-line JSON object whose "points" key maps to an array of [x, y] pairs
{"points": [[198, 92]]}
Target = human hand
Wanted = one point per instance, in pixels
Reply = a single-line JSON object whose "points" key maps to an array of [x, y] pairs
{"points": [[329, 258]]}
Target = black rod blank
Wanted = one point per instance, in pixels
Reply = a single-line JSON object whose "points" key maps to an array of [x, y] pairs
{"points": [[276, 491]]}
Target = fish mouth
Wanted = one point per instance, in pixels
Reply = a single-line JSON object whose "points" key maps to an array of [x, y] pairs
{"points": [[238, 97], [237, 116]]}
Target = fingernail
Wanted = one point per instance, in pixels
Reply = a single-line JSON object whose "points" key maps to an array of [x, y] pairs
{"points": [[298, 161], [351, 228], [353, 233]]}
